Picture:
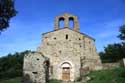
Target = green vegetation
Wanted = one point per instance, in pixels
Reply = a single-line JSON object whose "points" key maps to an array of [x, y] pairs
{"points": [[11, 66], [16, 80], [113, 53], [121, 36], [7, 11], [108, 76]]}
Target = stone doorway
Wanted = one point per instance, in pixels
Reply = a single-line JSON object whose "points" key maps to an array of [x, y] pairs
{"points": [[66, 74], [66, 71]]}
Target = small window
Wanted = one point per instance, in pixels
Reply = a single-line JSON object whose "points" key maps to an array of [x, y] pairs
{"points": [[47, 43], [79, 39], [60, 51], [89, 42], [34, 72], [37, 59], [55, 38], [66, 36]]}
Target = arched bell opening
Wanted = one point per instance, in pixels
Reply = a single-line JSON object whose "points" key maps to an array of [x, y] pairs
{"points": [[61, 22], [71, 22]]}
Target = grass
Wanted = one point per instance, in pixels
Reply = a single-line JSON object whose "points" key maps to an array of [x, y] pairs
{"points": [[15, 80], [108, 76]]}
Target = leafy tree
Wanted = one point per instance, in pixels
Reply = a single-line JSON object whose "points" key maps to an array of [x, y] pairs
{"points": [[12, 65], [122, 32], [113, 53], [7, 11]]}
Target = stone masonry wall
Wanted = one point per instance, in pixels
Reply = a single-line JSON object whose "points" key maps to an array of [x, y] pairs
{"points": [[58, 48], [34, 68]]}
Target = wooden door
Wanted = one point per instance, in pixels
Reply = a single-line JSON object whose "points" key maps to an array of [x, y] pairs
{"points": [[66, 74]]}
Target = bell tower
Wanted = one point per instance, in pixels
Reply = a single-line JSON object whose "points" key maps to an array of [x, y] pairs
{"points": [[67, 18]]}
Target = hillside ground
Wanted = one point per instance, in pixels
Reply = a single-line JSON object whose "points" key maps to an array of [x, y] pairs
{"points": [[102, 76]]}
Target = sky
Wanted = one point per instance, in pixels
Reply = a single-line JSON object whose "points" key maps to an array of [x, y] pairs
{"points": [[99, 19]]}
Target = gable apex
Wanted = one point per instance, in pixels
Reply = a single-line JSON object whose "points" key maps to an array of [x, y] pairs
{"points": [[71, 30]]}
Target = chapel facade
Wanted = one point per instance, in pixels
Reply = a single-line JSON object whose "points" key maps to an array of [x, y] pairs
{"points": [[69, 52]]}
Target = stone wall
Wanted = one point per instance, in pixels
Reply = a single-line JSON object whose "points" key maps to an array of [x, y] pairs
{"points": [[122, 62], [111, 65], [34, 68], [66, 45]]}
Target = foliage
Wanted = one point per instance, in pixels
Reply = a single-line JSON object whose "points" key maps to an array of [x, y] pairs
{"points": [[108, 76], [113, 53], [7, 11], [11, 65], [122, 33]]}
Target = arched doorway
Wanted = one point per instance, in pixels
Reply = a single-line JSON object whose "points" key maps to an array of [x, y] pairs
{"points": [[66, 68], [66, 71]]}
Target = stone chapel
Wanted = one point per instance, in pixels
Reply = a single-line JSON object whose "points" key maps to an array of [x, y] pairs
{"points": [[65, 53]]}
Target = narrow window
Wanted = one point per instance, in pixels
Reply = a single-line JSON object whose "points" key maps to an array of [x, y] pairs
{"points": [[51, 68], [89, 42], [66, 36]]}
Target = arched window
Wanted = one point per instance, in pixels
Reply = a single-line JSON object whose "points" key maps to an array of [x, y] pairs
{"points": [[61, 22], [71, 22]]}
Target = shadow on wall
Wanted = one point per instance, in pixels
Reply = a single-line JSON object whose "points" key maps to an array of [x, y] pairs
{"points": [[26, 79]]}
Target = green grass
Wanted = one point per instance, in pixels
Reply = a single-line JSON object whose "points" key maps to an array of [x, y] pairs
{"points": [[15, 80], [108, 76]]}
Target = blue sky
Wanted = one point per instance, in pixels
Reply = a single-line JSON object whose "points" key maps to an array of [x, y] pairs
{"points": [[99, 19]]}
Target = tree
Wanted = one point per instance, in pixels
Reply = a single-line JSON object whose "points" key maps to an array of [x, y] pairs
{"points": [[122, 32], [12, 65], [7, 11], [113, 53]]}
